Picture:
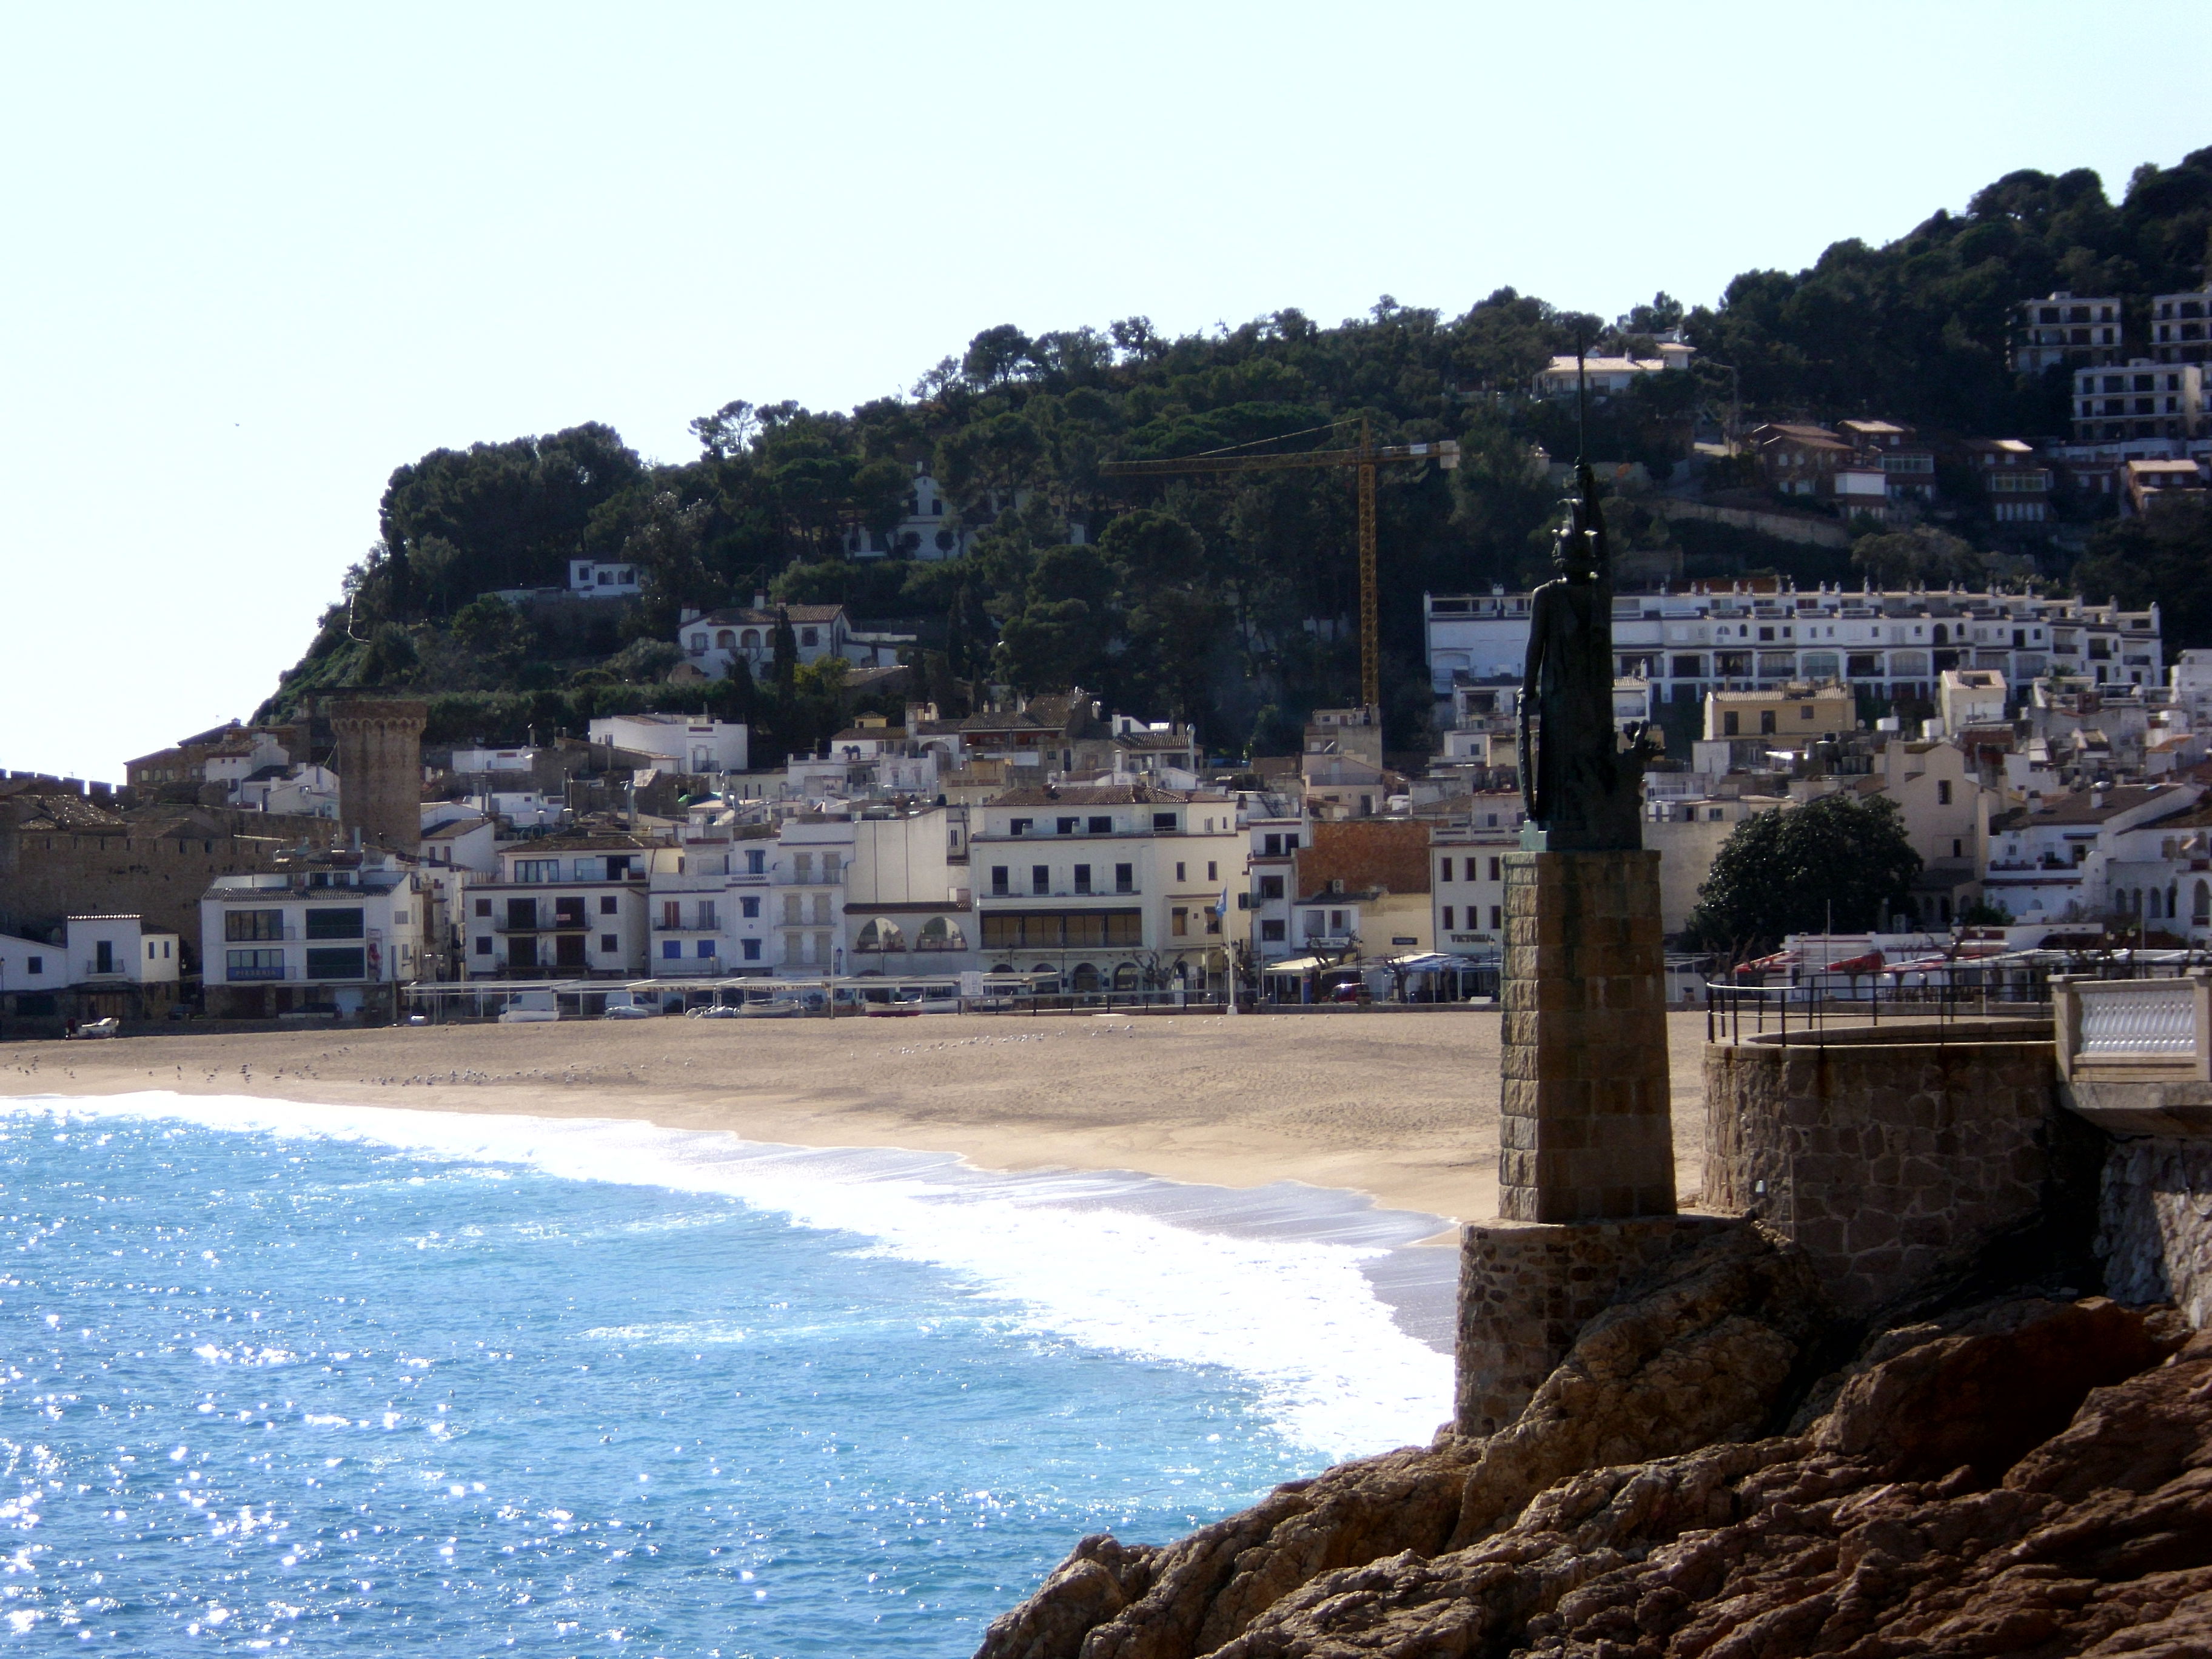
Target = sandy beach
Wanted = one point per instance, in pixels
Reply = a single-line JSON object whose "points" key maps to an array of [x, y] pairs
{"points": [[1402, 1107]]}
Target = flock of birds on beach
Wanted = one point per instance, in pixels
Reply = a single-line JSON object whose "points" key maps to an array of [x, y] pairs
{"points": [[571, 1076]]}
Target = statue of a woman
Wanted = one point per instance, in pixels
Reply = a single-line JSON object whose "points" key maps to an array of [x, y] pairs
{"points": [[1584, 792]]}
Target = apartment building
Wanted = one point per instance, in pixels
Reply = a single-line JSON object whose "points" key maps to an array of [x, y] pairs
{"points": [[562, 907], [2139, 399], [1118, 886], [333, 929], [1758, 635], [2181, 327], [1271, 876], [708, 908], [2067, 328], [909, 908]]}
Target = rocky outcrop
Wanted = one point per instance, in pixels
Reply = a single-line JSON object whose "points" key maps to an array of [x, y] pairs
{"points": [[1700, 1350], [2032, 1479]]}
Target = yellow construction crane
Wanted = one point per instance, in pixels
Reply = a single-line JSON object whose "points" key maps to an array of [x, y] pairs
{"points": [[1365, 458]]}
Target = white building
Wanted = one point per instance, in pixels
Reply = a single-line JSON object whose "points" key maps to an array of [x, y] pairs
{"points": [[494, 760], [1467, 889], [908, 906], [1271, 875], [807, 877], [322, 928], [2181, 327], [1971, 696], [27, 965], [708, 908], [2063, 860], [929, 531], [2064, 328], [1757, 637], [687, 745], [2140, 399], [1607, 377], [116, 951], [712, 640], [602, 578], [1119, 886], [304, 791], [566, 907]]}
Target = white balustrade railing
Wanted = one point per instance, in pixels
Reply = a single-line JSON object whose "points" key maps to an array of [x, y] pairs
{"points": [[2122, 1026], [2159, 1020]]}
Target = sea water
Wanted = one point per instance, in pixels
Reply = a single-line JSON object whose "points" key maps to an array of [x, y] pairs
{"points": [[281, 1377]]}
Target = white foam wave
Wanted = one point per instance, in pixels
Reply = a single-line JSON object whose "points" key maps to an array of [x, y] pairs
{"points": [[1333, 1369]]}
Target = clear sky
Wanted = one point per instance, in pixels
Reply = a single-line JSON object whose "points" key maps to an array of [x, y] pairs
{"points": [[255, 258]]}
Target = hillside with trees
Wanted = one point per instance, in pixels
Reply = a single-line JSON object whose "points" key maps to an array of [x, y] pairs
{"points": [[1228, 601]]}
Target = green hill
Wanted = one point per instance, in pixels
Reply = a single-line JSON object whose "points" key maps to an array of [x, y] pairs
{"points": [[1221, 600]]}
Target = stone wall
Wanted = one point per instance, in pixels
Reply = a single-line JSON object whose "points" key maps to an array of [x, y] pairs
{"points": [[154, 866], [1526, 1290], [1890, 1155], [2154, 1223]]}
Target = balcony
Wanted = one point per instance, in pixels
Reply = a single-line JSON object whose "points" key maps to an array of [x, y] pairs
{"points": [[1028, 894], [544, 925], [705, 924], [245, 975]]}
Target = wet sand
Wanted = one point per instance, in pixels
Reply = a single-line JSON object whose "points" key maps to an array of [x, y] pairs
{"points": [[1401, 1107]]}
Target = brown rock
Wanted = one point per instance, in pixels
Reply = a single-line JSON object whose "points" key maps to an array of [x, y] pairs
{"points": [[1851, 1539], [1699, 1353]]}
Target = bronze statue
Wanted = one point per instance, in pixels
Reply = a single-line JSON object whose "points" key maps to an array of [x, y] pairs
{"points": [[1583, 788]]}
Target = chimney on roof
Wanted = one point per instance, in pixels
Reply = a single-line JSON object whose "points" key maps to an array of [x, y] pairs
{"points": [[760, 599]]}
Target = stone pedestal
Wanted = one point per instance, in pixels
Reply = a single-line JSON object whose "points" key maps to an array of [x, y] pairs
{"points": [[1526, 1291], [1584, 1128]]}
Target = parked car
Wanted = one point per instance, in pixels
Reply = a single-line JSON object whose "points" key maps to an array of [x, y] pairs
{"points": [[531, 1008]]}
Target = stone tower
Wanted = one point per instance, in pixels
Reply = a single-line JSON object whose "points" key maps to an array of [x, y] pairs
{"points": [[379, 768]]}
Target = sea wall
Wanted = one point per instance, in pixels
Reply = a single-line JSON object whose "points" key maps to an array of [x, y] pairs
{"points": [[1889, 1156]]}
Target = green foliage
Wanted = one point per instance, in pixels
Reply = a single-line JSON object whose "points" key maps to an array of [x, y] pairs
{"points": [[1218, 598], [1840, 862], [1983, 914], [1918, 328], [1921, 557], [2164, 555]]}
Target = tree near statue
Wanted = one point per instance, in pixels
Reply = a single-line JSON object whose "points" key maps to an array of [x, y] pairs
{"points": [[1841, 863]]}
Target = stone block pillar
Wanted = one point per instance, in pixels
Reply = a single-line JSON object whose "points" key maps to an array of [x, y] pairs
{"points": [[1584, 1129]]}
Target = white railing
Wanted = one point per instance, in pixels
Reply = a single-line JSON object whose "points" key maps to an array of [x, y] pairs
{"points": [[2112, 1026], [2159, 1020]]}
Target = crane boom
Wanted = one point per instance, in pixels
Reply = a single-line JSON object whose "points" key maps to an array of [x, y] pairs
{"points": [[1365, 458]]}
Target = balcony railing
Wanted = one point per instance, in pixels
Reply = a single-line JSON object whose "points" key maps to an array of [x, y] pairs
{"points": [[542, 925], [1065, 893], [2124, 1028], [704, 925], [242, 975]]}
